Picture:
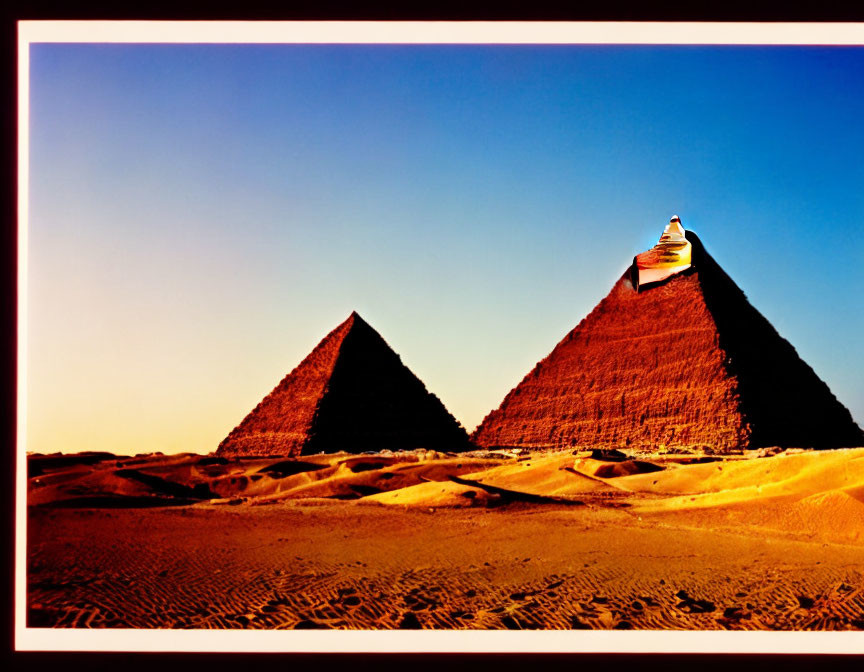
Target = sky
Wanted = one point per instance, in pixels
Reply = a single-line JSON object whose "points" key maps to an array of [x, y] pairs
{"points": [[202, 215]]}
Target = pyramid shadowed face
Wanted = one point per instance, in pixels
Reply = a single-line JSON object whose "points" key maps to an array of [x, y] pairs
{"points": [[671, 255]]}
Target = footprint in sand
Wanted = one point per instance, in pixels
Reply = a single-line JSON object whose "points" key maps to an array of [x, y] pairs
{"points": [[519, 621], [307, 624], [410, 622], [416, 601], [735, 614], [693, 606], [577, 624]]}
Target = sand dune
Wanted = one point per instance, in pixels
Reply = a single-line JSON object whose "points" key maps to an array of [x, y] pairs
{"points": [[648, 484], [248, 479], [430, 540], [793, 476]]}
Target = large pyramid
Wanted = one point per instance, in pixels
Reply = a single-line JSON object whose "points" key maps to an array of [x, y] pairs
{"points": [[683, 361], [351, 393]]}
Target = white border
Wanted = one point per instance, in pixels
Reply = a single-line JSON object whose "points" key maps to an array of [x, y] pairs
{"points": [[399, 32], [439, 641], [20, 607], [444, 32]]}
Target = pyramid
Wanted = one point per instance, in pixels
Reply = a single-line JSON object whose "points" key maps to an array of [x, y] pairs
{"points": [[351, 393], [682, 363]]}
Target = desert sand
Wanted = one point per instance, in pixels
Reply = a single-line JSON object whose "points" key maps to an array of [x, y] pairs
{"points": [[422, 539]]}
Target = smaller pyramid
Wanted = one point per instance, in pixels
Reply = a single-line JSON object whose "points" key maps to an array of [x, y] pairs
{"points": [[352, 393]]}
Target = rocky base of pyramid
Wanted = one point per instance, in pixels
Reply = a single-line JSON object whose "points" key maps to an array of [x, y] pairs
{"points": [[615, 382]]}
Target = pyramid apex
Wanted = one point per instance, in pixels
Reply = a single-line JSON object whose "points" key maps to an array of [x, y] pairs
{"points": [[674, 229], [670, 256]]}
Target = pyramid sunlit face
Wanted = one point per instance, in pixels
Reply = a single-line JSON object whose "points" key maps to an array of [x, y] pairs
{"points": [[671, 255]]}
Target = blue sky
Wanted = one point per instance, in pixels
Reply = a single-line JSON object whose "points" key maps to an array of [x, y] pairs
{"points": [[202, 215]]}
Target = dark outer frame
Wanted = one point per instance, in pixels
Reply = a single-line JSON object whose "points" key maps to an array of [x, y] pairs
{"points": [[427, 10]]}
